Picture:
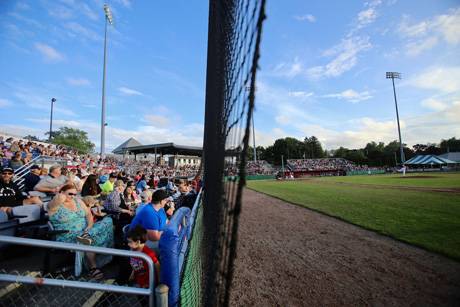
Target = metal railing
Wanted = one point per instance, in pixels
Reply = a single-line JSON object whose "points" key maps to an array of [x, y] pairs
{"points": [[150, 292], [21, 172]]}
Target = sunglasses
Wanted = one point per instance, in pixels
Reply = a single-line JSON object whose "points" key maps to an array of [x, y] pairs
{"points": [[72, 194], [7, 173]]}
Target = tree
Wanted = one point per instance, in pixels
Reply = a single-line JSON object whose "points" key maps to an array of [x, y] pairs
{"points": [[32, 138], [450, 145], [72, 137], [313, 148]]}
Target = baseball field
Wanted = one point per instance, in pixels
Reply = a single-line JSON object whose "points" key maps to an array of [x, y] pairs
{"points": [[420, 209]]}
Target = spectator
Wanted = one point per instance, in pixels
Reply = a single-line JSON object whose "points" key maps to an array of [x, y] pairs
{"points": [[16, 162], [32, 178], [141, 185], [115, 201], [187, 195], [90, 187], [152, 217], [136, 242], [146, 198], [53, 181], [107, 187], [43, 172], [69, 213], [10, 195]]}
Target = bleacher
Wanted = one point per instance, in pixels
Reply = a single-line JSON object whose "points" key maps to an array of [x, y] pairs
{"points": [[27, 227]]}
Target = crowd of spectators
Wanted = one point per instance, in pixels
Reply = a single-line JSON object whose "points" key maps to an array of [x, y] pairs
{"points": [[106, 202], [260, 167], [325, 164]]}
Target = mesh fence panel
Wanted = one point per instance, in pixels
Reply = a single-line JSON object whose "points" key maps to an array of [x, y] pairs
{"points": [[191, 285], [235, 28], [19, 294]]}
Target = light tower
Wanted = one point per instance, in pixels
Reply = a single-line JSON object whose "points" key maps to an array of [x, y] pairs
{"points": [[392, 76], [109, 19]]}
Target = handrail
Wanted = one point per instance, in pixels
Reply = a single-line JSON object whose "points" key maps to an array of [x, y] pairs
{"points": [[25, 166], [80, 284]]}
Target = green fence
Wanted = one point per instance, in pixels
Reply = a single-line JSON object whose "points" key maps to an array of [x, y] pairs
{"points": [[370, 172], [191, 287]]}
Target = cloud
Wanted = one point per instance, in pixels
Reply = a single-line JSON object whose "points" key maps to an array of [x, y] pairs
{"points": [[88, 12], [157, 120], [434, 104], [22, 6], [415, 48], [49, 53], [345, 57], [366, 17], [350, 95], [427, 33], [60, 12], [300, 94], [307, 17], [129, 92], [5, 103], [82, 31], [125, 3], [36, 101], [444, 79], [78, 81]]}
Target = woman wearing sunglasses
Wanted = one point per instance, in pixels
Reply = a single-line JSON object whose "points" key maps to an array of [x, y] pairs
{"points": [[67, 212]]}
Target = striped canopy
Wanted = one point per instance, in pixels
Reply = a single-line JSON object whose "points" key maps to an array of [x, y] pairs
{"points": [[428, 160]]}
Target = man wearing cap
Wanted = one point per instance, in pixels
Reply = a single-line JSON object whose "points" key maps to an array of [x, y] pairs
{"points": [[32, 178], [152, 217], [10, 195]]}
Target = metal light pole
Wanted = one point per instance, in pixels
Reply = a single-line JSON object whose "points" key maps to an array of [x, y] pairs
{"points": [[254, 139], [108, 18], [392, 76], [53, 100]]}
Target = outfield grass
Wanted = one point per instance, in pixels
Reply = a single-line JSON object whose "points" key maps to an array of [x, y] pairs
{"points": [[427, 219], [435, 180]]}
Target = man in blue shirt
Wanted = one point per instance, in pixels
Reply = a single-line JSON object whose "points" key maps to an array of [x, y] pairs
{"points": [[152, 217]]}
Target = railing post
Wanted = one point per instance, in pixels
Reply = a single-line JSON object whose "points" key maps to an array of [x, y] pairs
{"points": [[161, 295]]}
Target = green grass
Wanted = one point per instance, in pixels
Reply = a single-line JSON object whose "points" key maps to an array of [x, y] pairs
{"points": [[427, 219], [439, 180]]}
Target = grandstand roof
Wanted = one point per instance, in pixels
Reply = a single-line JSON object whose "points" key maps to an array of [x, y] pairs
{"points": [[167, 149], [453, 156], [123, 148], [428, 160]]}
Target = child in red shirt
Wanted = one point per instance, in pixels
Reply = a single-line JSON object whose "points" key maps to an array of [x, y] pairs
{"points": [[140, 273]]}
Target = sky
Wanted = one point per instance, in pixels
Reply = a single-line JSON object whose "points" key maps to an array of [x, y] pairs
{"points": [[322, 70]]}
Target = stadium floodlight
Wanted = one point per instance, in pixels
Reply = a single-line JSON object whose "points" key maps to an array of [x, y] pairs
{"points": [[108, 18], [53, 100], [392, 76], [108, 13]]}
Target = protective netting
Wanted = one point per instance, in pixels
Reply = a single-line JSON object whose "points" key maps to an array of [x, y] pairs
{"points": [[235, 28]]}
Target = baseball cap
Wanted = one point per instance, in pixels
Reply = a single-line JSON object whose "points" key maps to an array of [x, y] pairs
{"points": [[7, 169], [35, 166]]}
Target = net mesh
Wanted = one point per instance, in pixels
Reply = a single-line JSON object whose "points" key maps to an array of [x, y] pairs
{"points": [[235, 28]]}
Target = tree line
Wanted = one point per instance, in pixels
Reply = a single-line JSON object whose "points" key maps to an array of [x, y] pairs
{"points": [[373, 154], [74, 138]]}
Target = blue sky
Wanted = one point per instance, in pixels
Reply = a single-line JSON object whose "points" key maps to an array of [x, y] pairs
{"points": [[322, 70]]}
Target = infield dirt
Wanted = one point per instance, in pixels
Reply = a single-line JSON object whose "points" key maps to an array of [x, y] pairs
{"points": [[292, 256]]}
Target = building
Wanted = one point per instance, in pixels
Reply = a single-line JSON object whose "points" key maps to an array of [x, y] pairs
{"points": [[181, 160]]}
